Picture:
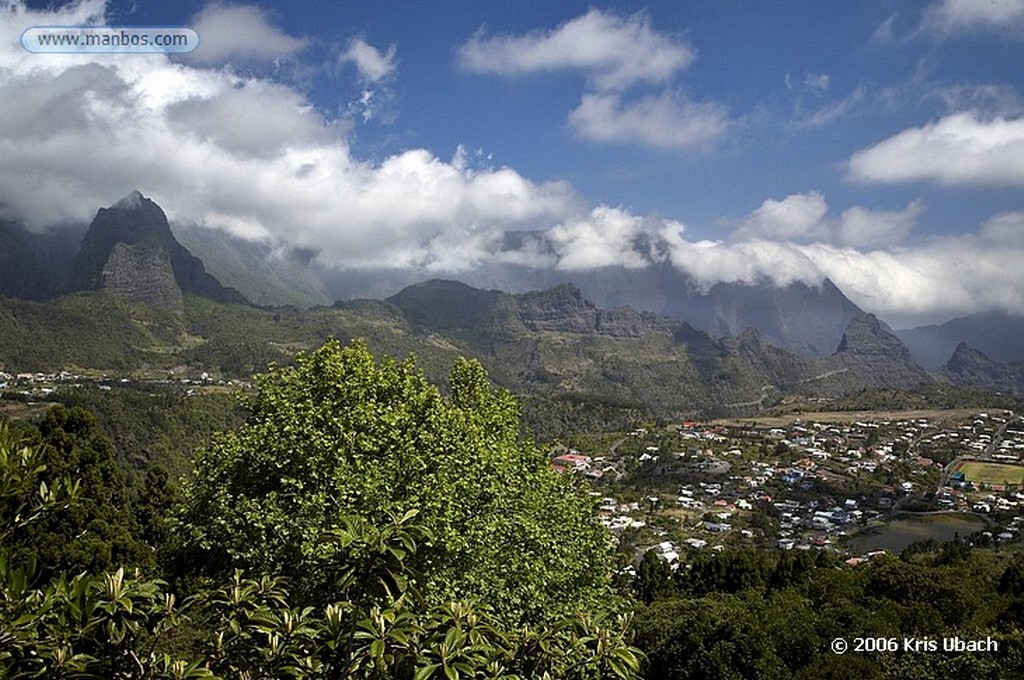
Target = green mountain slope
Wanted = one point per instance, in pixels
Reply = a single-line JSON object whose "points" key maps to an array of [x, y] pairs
{"points": [[550, 345]]}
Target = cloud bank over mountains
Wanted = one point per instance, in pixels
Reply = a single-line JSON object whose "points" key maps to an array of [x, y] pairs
{"points": [[246, 152]]}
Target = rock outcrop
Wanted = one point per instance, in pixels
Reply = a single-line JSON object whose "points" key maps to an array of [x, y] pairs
{"points": [[138, 223], [141, 274]]}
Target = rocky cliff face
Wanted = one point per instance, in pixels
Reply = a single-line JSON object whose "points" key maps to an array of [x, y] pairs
{"points": [[139, 223], [443, 304], [807, 320], [141, 274], [266, 274], [866, 338], [563, 309]]}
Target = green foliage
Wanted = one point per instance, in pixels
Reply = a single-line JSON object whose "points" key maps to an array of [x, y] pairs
{"points": [[732, 571], [96, 527], [565, 415], [118, 625], [653, 578], [722, 637], [339, 436], [75, 330], [926, 396], [155, 424], [25, 496], [768, 614]]}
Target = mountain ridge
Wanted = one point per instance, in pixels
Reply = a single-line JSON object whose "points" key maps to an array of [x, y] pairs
{"points": [[561, 339]]}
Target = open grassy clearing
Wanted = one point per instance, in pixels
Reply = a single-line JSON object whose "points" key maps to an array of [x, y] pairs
{"points": [[991, 473]]}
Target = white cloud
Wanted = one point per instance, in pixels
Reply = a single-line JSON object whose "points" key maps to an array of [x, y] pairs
{"points": [[1006, 228], [860, 227], [666, 121], [862, 251], [943, 278], [245, 154], [951, 276], [602, 238], [993, 99], [372, 64], [751, 261], [959, 149], [614, 52], [376, 69], [795, 217], [240, 32], [804, 218], [952, 16], [78, 132], [252, 118], [815, 83], [830, 110]]}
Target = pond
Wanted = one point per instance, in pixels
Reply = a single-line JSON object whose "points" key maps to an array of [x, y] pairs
{"points": [[908, 529]]}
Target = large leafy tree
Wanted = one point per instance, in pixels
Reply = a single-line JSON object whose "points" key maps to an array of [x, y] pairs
{"points": [[340, 435]]}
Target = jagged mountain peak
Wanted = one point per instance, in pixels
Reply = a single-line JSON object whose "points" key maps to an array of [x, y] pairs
{"points": [[867, 335], [965, 356], [871, 353], [132, 201], [126, 240], [998, 334]]}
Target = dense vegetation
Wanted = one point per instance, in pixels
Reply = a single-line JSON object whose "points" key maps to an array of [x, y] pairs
{"points": [[934, 395], [750, 613], [357, 525]]}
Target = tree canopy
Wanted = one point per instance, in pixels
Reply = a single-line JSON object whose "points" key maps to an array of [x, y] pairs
{"points": [[339, 435], [98, 528]]}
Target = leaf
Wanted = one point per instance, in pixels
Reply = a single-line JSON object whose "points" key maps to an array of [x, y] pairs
{"points": [[426, 671]]}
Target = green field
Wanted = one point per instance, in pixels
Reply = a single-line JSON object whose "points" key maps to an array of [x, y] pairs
{"points": [[991, 473]]}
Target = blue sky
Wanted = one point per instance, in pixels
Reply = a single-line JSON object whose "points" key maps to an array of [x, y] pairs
{"points": [[880, 144]]}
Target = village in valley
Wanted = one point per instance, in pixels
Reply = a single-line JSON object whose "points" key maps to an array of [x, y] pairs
{"points": [[857, 485]]}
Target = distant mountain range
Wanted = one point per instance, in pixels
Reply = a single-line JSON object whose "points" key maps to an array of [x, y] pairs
{"points": [[647, 336], [36, 266], [998, 335]]}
